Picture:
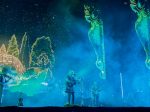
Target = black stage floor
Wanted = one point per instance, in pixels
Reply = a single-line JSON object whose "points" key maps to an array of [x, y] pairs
{"points": [[74, 109]]}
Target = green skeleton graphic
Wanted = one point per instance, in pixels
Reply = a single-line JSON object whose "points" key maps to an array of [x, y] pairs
{"points": [[96, 37], [142, 27]]}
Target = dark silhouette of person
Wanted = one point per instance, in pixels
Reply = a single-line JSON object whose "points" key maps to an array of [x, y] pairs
{"points": [[71, 81]]}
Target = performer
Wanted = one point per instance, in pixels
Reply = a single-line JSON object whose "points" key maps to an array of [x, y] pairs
{"points": [[96, 37], [142, 26], [71, 81], [95, 94], [20, 100]]}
